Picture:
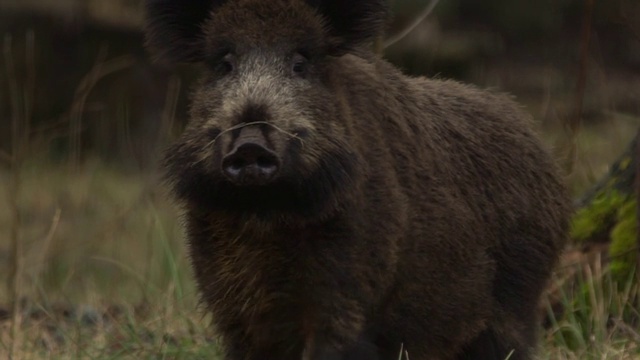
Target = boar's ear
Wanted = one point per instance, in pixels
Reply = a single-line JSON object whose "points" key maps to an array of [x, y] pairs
{"points": [[174, 28], [353, 22]]}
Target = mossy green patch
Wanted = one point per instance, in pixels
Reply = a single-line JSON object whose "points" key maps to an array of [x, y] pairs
{"points": [[624, 240], [614, 215], [592, 220]]}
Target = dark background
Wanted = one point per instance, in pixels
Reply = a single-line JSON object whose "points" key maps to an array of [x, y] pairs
{"points": [[95, 92]]}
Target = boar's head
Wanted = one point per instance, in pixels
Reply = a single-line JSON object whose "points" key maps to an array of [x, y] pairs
{"points": [[270, 130]]}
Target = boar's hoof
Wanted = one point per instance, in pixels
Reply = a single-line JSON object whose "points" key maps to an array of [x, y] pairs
{"points": [[250, 164]]}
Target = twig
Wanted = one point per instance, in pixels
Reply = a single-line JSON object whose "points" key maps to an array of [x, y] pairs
{"points": [[622, 254], [15, 265], [169, 111], [100, 69], [638, 204], [423, 15], [29, 90], [627, 329], [48, 239], [575, 122]]}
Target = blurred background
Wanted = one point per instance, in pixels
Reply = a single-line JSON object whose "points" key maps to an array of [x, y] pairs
{"points": [[89, 237], [90, 90]]}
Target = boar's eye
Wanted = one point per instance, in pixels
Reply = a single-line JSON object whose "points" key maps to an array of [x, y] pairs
{"points": [[299, 65], [226, 64]]}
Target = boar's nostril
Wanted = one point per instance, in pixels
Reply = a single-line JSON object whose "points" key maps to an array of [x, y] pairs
{"points": [[250, 164]]}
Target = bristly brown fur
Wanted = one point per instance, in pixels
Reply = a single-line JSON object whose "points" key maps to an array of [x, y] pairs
{"points": [[405, 212]]}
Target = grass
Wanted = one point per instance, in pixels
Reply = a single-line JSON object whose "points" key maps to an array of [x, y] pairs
{"points": [[104, 271], [105, 276], [600, 318]]}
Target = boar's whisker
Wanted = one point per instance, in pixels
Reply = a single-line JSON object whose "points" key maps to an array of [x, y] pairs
{"points": [[240, 126]]}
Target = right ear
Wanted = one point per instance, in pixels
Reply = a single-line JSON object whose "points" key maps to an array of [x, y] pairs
{"points": [[173, 29], [353, 22]]}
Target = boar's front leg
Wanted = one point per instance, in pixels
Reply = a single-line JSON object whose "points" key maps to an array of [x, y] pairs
{"points": [[342, 291], [363, 349], [341, 330]]}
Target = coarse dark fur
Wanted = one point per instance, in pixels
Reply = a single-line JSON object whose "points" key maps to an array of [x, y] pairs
{"points": [[405, 212]]}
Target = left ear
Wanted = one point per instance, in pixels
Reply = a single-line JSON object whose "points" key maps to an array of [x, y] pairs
{"points": [[174, 28], [353, 22]]}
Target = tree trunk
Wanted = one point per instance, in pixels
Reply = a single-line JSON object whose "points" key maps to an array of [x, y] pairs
{"points": [[637, 163]]}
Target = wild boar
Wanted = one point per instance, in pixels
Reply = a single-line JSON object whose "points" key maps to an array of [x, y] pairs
{"points": [[338, 209]]}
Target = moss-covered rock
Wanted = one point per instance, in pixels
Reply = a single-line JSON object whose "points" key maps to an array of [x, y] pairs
{"points": [[612, 216], [595, 220], [624, 239]]}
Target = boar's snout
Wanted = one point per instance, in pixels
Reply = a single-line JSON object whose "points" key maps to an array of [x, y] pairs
{"points": [[250, 161]]}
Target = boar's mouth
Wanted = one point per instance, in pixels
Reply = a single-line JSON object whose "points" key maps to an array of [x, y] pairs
{"points": [[295, 191]]}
